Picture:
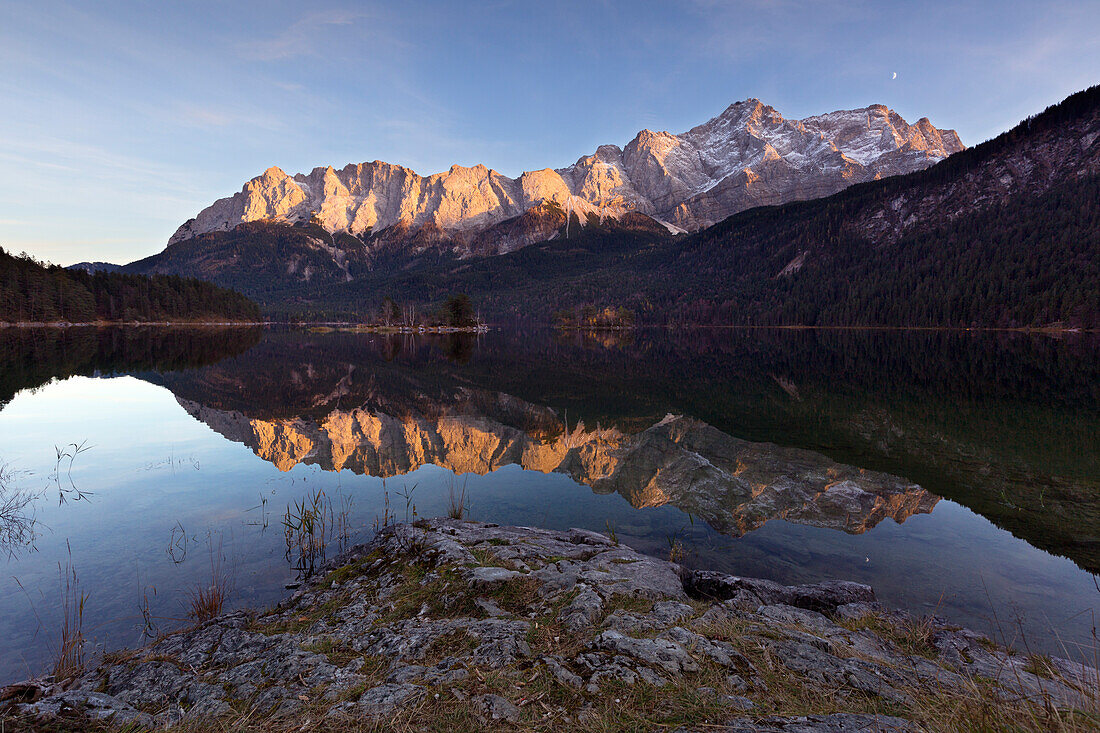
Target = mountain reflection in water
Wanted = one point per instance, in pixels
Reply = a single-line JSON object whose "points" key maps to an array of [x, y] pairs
{"points": [[711, 434], [734, 485], [1004, 424]]}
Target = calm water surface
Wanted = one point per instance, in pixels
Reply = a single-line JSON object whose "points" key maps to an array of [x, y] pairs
{"points": [[959, 474]]}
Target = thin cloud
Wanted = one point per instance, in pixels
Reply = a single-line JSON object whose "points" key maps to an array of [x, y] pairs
{"points": [[35, 162], [214, 116], [94, 163], [300, 38]]}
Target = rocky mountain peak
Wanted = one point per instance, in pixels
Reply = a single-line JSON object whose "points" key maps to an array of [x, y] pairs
{"points": [[749, 155]]}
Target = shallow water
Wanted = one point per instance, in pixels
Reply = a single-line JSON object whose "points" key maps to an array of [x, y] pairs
{"points": [[956, 473]]}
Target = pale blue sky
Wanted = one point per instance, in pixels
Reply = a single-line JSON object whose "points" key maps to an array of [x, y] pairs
{"points": [[120, 120]]}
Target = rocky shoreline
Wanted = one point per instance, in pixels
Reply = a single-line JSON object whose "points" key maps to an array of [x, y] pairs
{"points": [[450, 624]]}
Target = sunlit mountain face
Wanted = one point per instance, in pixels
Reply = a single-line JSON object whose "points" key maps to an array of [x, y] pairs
{"points": [[748, 155]]}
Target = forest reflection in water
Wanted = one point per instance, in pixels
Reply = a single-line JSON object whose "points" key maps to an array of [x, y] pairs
{"points": [[713, 434], [1005, 424]]}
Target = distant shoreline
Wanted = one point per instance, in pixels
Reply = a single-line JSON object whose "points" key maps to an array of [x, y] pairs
{"points": [[361, 328], [351, 327], [133, 324], [961, 329], [326, 327]]}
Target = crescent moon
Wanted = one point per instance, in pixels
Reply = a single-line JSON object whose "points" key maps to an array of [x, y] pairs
{"points": [[895, 76]]}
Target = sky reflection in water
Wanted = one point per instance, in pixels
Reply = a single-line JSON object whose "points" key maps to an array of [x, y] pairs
{"points": [[166, 490]]}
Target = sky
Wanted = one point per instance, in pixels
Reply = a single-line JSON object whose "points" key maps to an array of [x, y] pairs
{"points": [[121, 120]]}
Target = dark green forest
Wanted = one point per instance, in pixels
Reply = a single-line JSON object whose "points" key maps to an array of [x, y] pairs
{"points": [[1028, 263], [1031, 262], [32, 291]]}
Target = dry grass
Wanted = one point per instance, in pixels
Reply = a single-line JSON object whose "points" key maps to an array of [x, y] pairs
{"points": [[455, 643], [611, 534], [1040, 665], [69, 657], [208, 602], [488, 558], [457, 500], [204, 604], [913, 635], [628, 603], [340, 654], [691, 700], [17, 519], [676, 551], [296, 623], [976, 706], [352, 570]]}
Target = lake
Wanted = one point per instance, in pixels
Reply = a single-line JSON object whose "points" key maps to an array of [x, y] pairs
{"points": [[957, 473]]}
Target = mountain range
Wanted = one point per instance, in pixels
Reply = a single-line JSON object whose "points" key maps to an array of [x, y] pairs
{"points": [[852, 218], [747, 156]]}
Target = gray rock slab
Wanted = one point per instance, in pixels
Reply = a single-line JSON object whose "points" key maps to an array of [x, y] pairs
{"points": [[837, 723]]}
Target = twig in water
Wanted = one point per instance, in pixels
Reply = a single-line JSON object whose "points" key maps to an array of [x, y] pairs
{"points": [[17, 519], [177, 544], [67, 455]]}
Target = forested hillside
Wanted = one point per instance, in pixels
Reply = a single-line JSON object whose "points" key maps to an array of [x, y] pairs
{"points": [[1029, 262], [31, 291], [1005, 234]]}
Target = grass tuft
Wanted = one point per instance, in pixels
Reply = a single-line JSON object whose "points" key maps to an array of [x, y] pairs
{"points": [[69, 660], [911, 635], [208, 602], [456, 500]]}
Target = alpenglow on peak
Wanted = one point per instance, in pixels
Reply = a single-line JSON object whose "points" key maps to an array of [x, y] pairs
{"points": [[747, 156]]}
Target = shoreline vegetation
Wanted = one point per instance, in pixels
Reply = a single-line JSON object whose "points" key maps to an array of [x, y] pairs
{"points": [[451, 624], [368, 328], [133, 324], [62, 298], [354, 327], [32, 291]]}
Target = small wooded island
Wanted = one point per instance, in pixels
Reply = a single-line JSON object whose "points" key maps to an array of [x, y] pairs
{"points": [[456, 315]]}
